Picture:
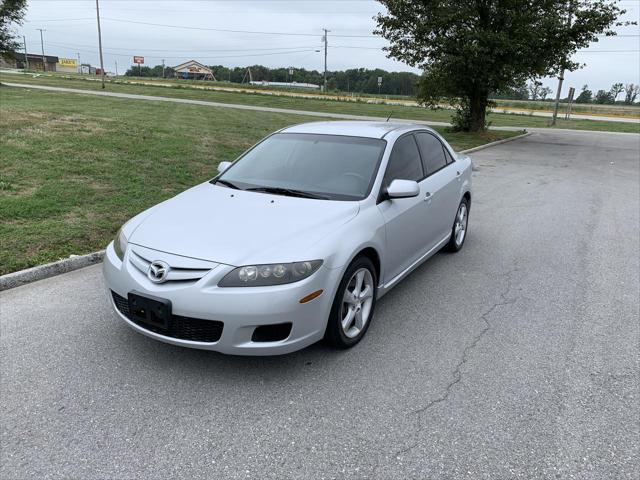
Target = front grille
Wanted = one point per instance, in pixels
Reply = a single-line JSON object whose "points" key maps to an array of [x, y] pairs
{"points": [[183, 328]]}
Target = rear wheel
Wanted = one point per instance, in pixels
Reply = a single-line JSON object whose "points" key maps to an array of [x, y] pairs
{"points": [[353, 306], [459, 229]]}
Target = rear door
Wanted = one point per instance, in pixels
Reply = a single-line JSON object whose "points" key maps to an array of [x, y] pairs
{"points": [[441, 183], [405, 218]]}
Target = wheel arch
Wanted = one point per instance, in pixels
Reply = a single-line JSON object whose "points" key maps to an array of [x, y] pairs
{"points": [[373, 255], [467, 195]]}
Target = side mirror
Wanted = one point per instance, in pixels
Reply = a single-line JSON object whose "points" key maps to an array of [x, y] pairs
{"points": [[222, 166], [403, 189]]}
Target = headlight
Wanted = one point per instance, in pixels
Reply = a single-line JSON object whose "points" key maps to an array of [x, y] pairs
{"points": [[120, 244], [272, 274]]}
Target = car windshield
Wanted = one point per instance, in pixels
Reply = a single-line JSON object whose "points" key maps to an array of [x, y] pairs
{"points": [[308, 165]]}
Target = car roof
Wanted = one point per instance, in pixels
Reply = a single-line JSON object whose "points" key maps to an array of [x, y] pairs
{"points": [[367, 129]]}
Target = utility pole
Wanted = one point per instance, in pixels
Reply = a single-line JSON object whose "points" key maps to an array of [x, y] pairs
{"points": [[44, 60], [558, 93], [100, 43], [79, 69], [26, 59], [163, 68], [116, 68], [561, 77], [325, 57]]}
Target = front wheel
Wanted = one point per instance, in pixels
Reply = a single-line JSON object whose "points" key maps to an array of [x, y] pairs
{"points": [[459, 229], [353, 306]]}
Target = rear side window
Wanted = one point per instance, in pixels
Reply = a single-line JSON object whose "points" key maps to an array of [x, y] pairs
{"points": [[404, 162], [448, 155], [432, 152]]}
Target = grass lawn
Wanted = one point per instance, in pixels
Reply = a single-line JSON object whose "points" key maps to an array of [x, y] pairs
{"points": [[73, 168], [332, 106]]}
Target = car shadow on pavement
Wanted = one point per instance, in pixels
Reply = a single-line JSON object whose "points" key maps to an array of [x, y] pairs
{"points": [[383, 336]]}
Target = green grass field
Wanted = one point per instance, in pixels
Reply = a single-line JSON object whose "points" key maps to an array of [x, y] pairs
{"points": [[184, 90], [73, 168]]}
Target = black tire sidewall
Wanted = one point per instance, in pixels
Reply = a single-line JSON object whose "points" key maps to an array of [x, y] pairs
{"points": [[451, 245], [334, 334]]}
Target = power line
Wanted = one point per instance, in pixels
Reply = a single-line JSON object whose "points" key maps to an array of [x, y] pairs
{"points": [[143, 50], [187, 27], [128, 55], [301, 34]]}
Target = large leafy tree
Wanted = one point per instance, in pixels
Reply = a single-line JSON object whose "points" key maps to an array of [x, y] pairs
{"points": [[470, 48], [11, 11]]}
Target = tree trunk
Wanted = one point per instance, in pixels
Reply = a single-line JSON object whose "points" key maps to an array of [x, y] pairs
{"points": [[477, 112]]}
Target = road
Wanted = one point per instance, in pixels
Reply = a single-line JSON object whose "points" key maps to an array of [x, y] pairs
{"points": [[207, 103], [515, 358]]}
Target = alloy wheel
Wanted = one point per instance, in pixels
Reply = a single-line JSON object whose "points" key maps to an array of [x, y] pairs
{"points": [[357, 302], [460, 227]]}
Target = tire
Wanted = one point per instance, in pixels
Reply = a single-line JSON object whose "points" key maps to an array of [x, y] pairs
{"points": [[457, 238], [346, 337]]}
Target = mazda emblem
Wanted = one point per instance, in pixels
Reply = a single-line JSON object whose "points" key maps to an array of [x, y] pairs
{"points": [[158, 271]]}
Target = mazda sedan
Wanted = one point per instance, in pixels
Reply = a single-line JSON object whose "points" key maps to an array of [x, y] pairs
{"points": [[293, 242]]}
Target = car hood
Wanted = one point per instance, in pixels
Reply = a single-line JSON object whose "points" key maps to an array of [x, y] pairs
{"points": [[237, 227]]}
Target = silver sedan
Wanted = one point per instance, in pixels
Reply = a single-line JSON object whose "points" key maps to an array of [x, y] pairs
{"points": [[293, 242]]}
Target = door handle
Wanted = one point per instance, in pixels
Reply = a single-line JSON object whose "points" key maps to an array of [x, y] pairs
{"points": [[427, 196]]}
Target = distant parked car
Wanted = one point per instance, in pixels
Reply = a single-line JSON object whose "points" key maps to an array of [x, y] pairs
{"points": [[294, 241]]}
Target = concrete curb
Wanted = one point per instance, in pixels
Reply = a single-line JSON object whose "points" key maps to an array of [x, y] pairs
{"points": [[22, 277], [497, 142]]}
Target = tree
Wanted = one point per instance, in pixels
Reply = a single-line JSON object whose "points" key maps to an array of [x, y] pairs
{"points": [[631, 93], [469, 49], [11, 11], [534, 89], [544, 93], [585, 96], [520, 92], [603, 97], [616, 89]]}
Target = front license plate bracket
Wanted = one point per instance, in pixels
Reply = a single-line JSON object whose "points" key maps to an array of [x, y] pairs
{"points": [[151, 310]]}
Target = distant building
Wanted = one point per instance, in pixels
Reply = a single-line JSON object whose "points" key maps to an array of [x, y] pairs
{"points": [[309, 86], [194, 70], [17, 60]]}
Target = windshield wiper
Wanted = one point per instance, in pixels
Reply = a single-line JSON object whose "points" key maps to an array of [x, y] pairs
{"points": [[288, 192], [226, 183]]}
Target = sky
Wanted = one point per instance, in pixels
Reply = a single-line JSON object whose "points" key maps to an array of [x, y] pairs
{"points": [[217, 35]]}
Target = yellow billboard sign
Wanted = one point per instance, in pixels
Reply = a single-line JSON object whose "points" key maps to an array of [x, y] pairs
{"points": [[68, 62]]}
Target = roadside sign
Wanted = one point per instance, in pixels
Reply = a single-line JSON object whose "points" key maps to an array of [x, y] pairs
{"points": [[379, 81], [68, 62], [138, 60], [572, 92]]}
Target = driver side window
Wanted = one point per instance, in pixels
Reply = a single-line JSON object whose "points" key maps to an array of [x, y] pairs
{"points": [[404, 162]]}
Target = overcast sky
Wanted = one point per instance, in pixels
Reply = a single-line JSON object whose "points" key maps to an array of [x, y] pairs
{"points": [[71, 29]]}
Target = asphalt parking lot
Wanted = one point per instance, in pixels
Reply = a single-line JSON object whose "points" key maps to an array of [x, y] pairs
{"points": [[515, 358]]}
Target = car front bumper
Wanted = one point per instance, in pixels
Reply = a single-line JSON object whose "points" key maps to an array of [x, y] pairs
{"points": [[241, 309]]}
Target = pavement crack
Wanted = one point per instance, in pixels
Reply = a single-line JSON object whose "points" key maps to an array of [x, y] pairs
{"points": [[457, 372]]}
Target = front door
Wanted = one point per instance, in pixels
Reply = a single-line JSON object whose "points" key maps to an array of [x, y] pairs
{"points": [[405, 218]]}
